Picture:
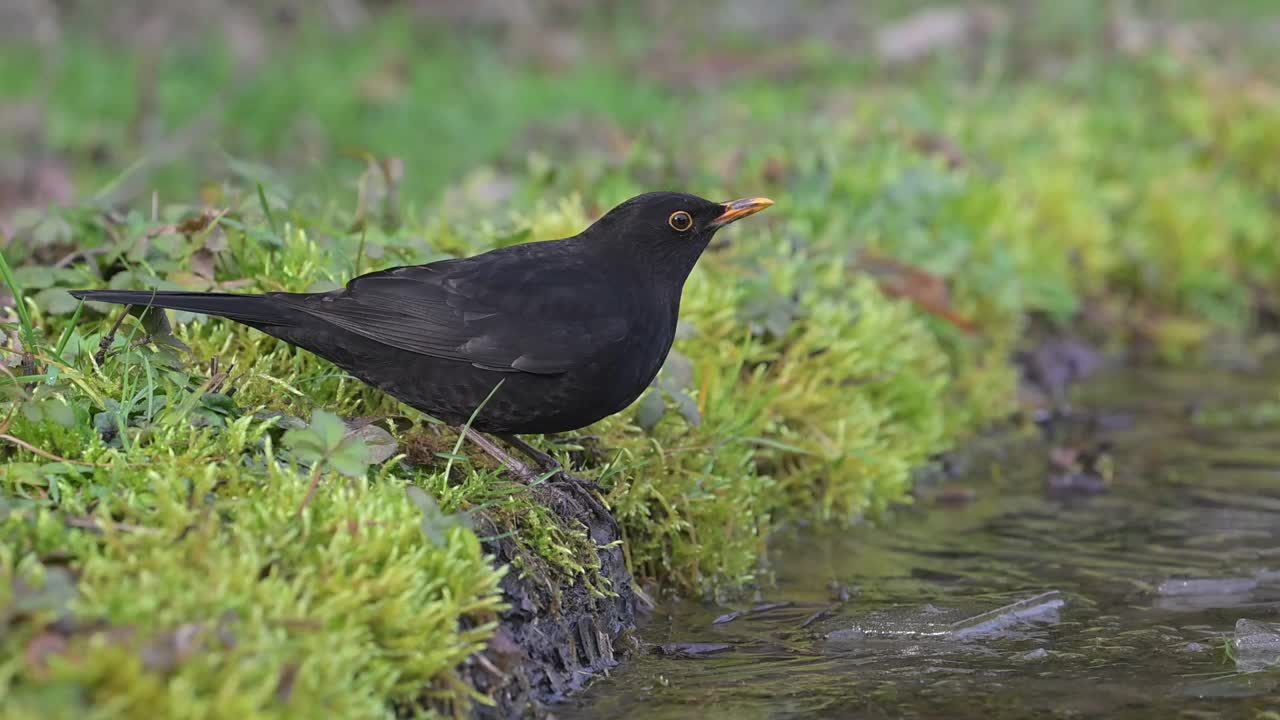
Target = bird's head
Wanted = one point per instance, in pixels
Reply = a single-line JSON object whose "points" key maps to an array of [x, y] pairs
{"points": [[668, 230]]}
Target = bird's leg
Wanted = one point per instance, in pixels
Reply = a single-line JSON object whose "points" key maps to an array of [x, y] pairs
{"points": [[551, 465], [544, 460], [513, 466], [582, 486], [547, 463]]}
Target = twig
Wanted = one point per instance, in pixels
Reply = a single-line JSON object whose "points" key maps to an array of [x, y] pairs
{"points": [[85, 253], [44, 453], [311, 490], [88, 523]]}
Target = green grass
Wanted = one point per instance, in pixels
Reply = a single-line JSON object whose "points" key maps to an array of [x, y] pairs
{"points": [[154, 496]]}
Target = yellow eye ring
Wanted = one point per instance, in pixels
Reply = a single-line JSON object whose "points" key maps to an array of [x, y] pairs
{"points": [[680, 221]]}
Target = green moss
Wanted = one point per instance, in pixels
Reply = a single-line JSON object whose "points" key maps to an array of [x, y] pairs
{"points": [[201, 603]]}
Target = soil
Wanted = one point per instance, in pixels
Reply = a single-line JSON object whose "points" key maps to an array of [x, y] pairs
{"points": [[553, 641]]}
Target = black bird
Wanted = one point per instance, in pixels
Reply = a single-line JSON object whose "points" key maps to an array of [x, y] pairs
{"points": [[573, 329]]}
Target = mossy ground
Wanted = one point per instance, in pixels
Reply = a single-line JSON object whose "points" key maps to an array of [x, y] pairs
{"points": [[154, 560]]}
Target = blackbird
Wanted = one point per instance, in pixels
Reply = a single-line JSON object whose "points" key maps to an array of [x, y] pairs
{"points": [[541, 337]]}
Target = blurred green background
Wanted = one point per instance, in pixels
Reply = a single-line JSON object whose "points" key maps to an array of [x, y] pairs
{"points": [[176, 90]]}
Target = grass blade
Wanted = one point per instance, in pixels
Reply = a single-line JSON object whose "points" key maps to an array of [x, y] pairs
{"points": [[66, 334], [266, 209], [25, 327]]}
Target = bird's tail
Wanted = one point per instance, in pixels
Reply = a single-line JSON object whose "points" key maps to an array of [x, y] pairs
{"points": [[248, 309]]}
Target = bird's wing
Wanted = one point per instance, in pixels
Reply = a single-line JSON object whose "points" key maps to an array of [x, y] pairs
{"points": [[510, 312]]}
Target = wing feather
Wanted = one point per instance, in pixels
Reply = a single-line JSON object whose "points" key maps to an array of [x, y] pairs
{"points": [[516, 311]]}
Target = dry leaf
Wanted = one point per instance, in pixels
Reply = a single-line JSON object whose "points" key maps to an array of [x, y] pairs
{"points": [[928, 291]]}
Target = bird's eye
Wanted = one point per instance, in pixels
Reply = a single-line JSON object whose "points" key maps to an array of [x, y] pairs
{"points": [[680, 220]]}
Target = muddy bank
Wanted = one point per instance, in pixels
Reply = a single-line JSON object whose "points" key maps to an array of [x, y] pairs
{"points": [[553, 641]]}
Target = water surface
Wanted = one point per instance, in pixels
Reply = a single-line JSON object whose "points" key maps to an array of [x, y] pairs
{"points": [[1019, 602]]}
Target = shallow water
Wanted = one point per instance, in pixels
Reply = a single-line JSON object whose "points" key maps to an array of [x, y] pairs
{"points": [[1015, 604]]}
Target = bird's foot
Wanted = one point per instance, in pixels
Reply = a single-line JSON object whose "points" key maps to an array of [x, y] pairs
{"points": [[548, 464], [587, 490], [545, 461], [549, 468]]}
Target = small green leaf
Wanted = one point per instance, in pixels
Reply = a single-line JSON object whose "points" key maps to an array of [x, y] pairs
{"points": [[53, 593], [105, 423], [56, 301], [220, 403], [328, 428], [650, 411], [425, 501], [123, 280], [677, 372], [59, 412], [435, 523], [351, 458], [688, 407], [34, 277], [305, 445]]}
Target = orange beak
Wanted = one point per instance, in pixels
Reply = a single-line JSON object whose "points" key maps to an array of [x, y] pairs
{"points": [[739, 209]]}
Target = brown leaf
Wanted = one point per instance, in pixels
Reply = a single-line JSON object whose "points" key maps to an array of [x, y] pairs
{"points": [[955, 495], [504, 651], [196, 223], [940, 146], [775, 169], [202, 263], [288, 678], [928, 291], [191, 226], [1064, 457], [171, 649], [42, 649], [388, 83]]}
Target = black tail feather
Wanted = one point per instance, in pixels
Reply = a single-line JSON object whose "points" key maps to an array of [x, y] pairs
{"points": [[248, 309]]}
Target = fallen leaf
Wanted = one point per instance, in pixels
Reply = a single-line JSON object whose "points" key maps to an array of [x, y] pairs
{"points": [[284, 686], [42, 649], [202, 263], [927, 291], [1064, 457], [171, 649], [380, 443], [943, 147], [953, 495]]}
